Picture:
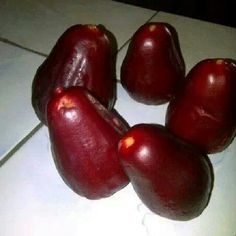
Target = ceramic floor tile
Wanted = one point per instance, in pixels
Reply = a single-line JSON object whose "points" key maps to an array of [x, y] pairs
{"points": [[199, 39], [17, 119], [134, 112], [37, 202], [38, 24]]}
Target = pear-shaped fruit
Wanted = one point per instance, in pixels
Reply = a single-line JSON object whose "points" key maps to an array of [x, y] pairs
{"points": [[153, 69], [204, 113], [83, 56], [173, 179], [84, 136]]}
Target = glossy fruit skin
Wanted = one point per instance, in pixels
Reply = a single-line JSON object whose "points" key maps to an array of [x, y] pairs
{"points": [[84, 55], [173, 179], [204, 113], [153, 69], [84, 136]]}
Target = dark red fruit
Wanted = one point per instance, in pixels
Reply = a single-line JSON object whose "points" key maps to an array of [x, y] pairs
{"points": [[204, 113], [153, 69], [84, 136], [173, 179], [83, 56]]}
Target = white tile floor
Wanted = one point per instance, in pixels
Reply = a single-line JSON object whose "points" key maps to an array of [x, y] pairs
{"points": [[17, 119], [38, 24], [36, 201]]}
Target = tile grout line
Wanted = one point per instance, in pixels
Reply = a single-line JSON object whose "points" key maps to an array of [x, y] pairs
{"points": [[4, 40], [127, 41], [154, 14], [13, 150], [7, 41]]}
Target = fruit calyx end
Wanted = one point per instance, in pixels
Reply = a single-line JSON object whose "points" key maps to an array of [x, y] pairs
{"points": [[65, 102], [127, 142]]}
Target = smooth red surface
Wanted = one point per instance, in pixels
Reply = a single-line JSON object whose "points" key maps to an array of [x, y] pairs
{"points": [[153, 69], [83, 56], [84, 136], [172, 178], [204, 113]]}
